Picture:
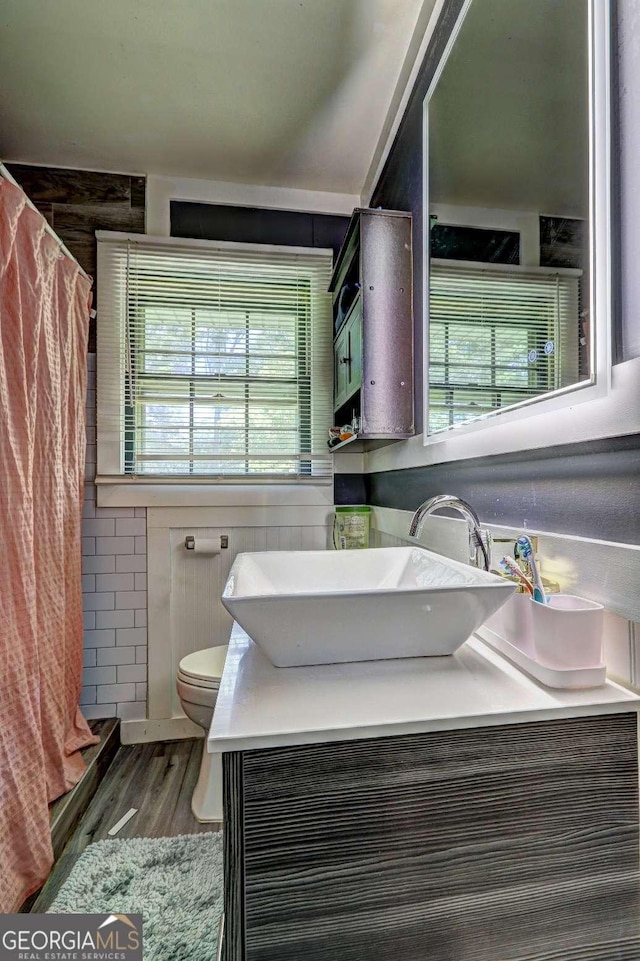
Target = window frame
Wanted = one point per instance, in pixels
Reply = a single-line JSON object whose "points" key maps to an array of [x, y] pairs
{"points": [[118, 487]]}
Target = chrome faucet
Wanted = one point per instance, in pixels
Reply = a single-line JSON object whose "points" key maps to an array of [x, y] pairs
{"points": [[479, 539]]}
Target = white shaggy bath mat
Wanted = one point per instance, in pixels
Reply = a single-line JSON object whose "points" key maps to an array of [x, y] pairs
{"points": [[174, 883]]}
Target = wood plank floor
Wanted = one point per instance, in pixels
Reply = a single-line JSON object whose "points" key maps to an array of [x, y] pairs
{"points": [[157, 779]]}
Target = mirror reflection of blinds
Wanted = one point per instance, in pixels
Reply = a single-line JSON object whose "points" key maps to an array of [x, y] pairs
{"points": [[497, 337], [225, 358]]}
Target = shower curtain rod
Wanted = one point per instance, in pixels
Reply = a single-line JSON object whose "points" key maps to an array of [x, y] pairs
{"points": [[65, 250]]}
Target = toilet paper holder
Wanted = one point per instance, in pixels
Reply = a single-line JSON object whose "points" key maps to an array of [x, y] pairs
{"points": [[190, 542]]}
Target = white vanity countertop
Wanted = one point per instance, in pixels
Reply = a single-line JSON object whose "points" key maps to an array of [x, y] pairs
{"points": [[261, 706]]}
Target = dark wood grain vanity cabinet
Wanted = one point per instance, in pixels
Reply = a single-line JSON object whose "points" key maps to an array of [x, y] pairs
{"points": [[373, 325], [502, 843]]}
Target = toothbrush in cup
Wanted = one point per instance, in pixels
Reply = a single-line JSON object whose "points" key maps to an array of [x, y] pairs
{"points": [[508, 564], [524, 548]]}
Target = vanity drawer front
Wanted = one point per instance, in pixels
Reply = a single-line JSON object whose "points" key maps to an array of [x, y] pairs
{"points": [[472, 845]]}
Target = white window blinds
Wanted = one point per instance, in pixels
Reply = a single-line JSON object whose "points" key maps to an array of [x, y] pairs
{"points": [[498, 336], [213, 360]]}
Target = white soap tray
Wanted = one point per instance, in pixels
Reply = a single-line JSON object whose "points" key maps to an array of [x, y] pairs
{"points": [[567, 678], [576, 624]]}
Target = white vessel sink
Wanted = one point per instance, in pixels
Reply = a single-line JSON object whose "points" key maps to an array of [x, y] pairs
{"points": [[327, 607]]}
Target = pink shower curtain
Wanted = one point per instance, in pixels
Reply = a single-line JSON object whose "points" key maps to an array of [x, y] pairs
{"points": [[44, 316]]}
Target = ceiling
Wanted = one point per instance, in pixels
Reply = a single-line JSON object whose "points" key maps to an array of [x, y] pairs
{"points": [[282, 92], [508, 122]]}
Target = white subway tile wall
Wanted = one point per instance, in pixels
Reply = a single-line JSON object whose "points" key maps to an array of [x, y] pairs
{"points": [[114, 585]]}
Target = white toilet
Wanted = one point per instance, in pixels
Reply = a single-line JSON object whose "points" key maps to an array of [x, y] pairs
{"points": [[198, 682]]}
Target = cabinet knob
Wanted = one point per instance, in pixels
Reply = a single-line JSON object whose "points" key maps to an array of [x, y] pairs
{"points": [[345, 360]]}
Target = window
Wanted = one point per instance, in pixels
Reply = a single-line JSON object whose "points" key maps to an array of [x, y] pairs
{"points": [[498, 335], [214, 359]]}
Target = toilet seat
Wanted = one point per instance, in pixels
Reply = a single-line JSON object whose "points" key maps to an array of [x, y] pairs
{"points": [[203, 668], [192, 694]]}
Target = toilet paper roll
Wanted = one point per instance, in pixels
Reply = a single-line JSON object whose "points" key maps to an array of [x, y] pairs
{"points": [[206, 546]]}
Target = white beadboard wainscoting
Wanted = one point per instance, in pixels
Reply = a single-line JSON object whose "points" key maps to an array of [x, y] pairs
{"points": [[185, 613], [601, 570]]}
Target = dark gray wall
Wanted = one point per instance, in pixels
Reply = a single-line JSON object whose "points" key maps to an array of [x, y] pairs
{"points": [[588, 490], [257, 225]]}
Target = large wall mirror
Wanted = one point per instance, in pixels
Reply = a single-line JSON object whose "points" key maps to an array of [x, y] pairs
{"points": [[507, 190]]}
